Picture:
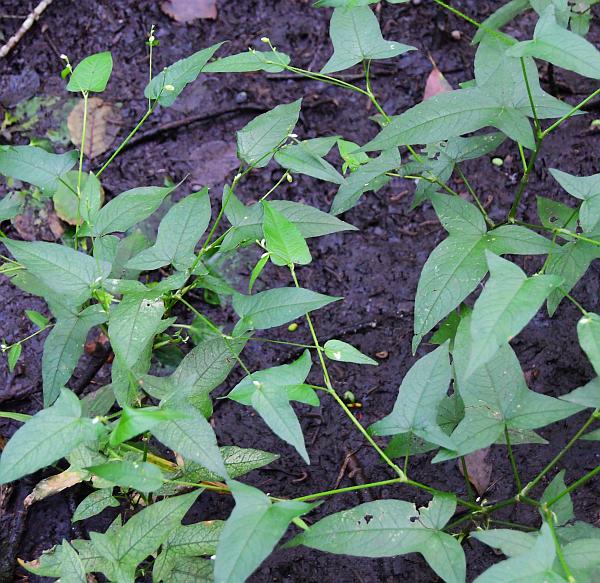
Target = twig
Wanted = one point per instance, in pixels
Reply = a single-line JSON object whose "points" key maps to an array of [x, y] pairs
{"points": [[29, 22]]}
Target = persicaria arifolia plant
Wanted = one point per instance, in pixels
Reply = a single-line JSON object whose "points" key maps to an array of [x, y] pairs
{"points": [[464, 395]]}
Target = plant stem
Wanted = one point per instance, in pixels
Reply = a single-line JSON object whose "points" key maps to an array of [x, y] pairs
{"points": [[511, 457], [559, 551], [337, 398], [574, 486], [80, 169], [559, 455], [472, 192], [513, 525], [525, 179], [570, 113], [348, 489], [536, 121], [126, 140], [325, 79]]}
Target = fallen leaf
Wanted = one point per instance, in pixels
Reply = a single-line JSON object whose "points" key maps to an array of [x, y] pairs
{"points": [[53, 485], [436, 83], [188, 10], [38, 223], [479, 469], [103, 124]]}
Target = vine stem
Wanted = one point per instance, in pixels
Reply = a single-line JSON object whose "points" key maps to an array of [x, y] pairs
{"points": [[559, 455], [574, 486], [472, 192], [402, 478], [525, 179], [465, 471], [511, 457], [128, 138], [559, 552], [326, 493]]}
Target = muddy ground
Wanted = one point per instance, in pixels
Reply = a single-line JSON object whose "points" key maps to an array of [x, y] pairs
{"points": [[376, 269]]}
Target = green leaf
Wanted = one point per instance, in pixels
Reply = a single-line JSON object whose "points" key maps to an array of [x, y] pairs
{"points": [[65, 271], [192, 436], [10, 204], [420, 394], [71, 567], [252, 531], [534, 565], [387, 528], [458, 264], [356, 37], [192, 540], [91, 74], [586, 396], [129, 208], [563, 509], [570, 263], [257, 270], [553, 43], [307, 158], [283, 239], [501, 17], [142, 534], [268, 61], [13, 356], [450, 274], [178, 233], [48, 436], [554, 214], [498, 98], [511, 542], [94, 504], [38, 319], [259, 139], [203, 369], [275, 307], [588, 331], [351, 155], [64, 346], [247, 221], [508, 302], [270, 391], [344, 352], [585, 188], [133, 324], [170, 82], [140, 476], [369, 176], [35, 165], [495, 396], [134, 421]]}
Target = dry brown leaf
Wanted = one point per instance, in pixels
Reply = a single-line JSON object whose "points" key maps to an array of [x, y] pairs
{"points": [[188, 10], [53, 485], [38, 223], [436, 83], [479, 469], [103, 124]]}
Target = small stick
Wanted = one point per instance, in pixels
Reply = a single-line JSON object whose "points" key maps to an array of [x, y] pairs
{"points": [[27, 24]]}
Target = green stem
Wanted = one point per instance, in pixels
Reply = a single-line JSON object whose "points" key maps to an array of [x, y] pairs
{"points": [[525, 179], [536, 121], [337, 398], [325, 79], [574, 486], [559, 552], [511, 457], [472, 192], [559, 455], [326, 493], [129, 136], [570, 113], [275, 186]]}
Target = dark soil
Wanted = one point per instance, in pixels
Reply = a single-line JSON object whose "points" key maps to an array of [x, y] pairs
{"points": [[375, 269]]}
